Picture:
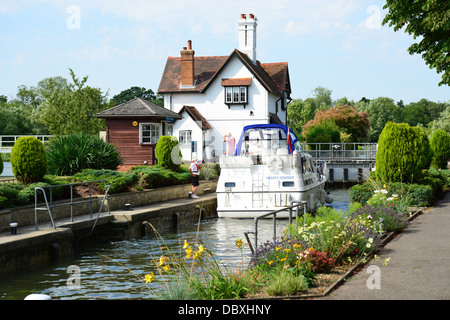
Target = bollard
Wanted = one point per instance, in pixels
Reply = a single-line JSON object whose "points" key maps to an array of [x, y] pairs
{"points": [[13, 228], [127, 206]]}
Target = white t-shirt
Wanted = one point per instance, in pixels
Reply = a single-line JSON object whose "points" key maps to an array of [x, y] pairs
{"points": [[194, 168]]}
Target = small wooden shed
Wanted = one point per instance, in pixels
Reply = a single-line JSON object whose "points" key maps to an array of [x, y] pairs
{"points": [[135, 127]]}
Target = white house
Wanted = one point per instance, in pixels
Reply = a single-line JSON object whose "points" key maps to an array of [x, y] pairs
{"points": [[217, 95]]}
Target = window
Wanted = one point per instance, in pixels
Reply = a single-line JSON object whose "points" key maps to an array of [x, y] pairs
{"points": [[185, 137], [169, 130], [149, 133], [230, 184], [236, 95]]}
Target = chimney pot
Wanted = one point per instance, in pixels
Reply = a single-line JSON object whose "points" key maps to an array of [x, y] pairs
{"points": [[242, 15], [251, 16], [189, 45]]}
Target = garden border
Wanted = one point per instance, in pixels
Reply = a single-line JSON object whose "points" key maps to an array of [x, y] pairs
{"points": [[385, 239]]}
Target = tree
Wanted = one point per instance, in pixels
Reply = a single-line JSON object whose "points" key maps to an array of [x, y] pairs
{"points": [[299, 112], [380, 110], [322, 97], [403, 153], [440, 146], [443, 121], [428, 20], [346, 118], [137, 92], [72, 108]]}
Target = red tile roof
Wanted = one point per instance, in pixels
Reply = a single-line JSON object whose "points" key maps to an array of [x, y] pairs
{"points": [[273, 76], [196, 116], [236, 82]]}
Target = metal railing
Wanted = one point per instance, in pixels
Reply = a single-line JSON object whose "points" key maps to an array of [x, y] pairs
{"points": [[7, 141], [274, 221], [49, 202], [341, 151]]}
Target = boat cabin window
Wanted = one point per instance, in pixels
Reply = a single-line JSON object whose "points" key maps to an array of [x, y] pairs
{"points": [[288, 183], [261, 140], [230, 184]]}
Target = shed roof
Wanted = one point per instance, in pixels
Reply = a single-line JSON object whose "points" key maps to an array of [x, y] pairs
{"points": [[138, 107]]}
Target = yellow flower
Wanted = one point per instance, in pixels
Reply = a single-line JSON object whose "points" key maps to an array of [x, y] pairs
{"points": [[270, 262], [166, 268], [287, 250], [277, 248], [186, 244], [296, 245], [149, 277], [200, 248], [162, 259], [188, 252], [197, 254], [239, 243]]}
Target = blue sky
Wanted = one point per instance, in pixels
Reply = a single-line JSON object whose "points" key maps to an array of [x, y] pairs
{"points": [[339, 45]]}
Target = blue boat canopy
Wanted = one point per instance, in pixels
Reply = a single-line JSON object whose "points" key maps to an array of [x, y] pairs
{"points": [[289, 136]]}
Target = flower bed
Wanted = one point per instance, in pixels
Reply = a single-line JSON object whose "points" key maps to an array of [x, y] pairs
{"points": [[315, 254]]}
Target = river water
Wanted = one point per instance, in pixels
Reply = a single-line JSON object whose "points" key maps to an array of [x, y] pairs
{"points": [[110, 269]]}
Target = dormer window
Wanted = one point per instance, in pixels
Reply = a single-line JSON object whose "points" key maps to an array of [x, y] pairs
{"points": [[236, 90], [236, 95]]}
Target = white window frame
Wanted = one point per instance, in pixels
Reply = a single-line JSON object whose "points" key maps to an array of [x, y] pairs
{"points": [[236, 95], [153, 132], [185, 137]]}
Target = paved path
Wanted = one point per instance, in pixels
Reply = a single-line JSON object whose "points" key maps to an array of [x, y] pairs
{"points": [[419, 267]]}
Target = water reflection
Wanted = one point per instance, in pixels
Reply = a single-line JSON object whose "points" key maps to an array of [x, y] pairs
{"points": [[102, 278]]}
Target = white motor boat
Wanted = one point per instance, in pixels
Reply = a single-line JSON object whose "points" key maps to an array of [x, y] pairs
{"points": [[267, 172]]}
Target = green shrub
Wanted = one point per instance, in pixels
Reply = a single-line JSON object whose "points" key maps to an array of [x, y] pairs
{"points": [[286, 283], [440, 147], [168, 152], [8, 194], [119, 181], [28, 160], [157, 176], [361, 193], [403, 152], [75, 152], [322, 133]]}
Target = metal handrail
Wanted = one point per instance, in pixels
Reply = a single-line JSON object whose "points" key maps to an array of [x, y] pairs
{"points": [[342, 151], [274, 219], [49, 205], [7, 141]]}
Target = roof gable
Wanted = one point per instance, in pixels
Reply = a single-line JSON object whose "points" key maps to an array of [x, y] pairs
{"points": [[273, 76], [205, 68], [137, 107], [196, 116]]}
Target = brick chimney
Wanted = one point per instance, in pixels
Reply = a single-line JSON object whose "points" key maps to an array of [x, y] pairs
{"points": [[187, 66]]}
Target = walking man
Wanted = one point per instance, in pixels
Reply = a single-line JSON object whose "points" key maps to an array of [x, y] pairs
{"points": [[194, 169]]}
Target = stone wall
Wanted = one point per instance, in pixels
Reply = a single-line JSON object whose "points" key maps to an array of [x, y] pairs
{"points": [[25, 216]]}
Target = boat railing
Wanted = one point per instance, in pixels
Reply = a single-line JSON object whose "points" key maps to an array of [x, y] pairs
{"points": [[274, 221], [49, 205]]}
